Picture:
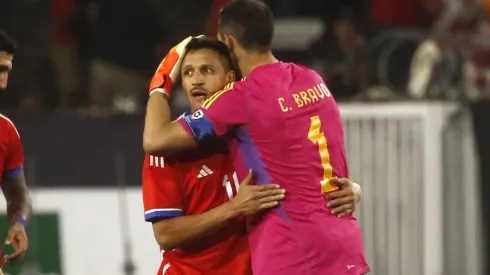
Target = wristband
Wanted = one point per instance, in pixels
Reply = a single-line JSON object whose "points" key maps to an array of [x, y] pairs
{"points": [[159, 90], [22, 220]]}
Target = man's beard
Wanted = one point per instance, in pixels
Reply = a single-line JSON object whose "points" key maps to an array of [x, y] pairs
{"points": [[234, 65]]}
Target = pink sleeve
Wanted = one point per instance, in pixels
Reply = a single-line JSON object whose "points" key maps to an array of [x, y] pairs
{"points": [[220, 113]]}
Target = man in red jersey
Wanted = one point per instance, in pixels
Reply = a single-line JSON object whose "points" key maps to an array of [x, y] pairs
{"points": [[183, 194], [11, 165], [186, 195]]}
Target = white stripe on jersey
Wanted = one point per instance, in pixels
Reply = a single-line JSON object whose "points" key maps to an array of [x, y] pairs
{"points": [[157, 161], [11, 123], [205, 168], [165, 268], [162, 210]]}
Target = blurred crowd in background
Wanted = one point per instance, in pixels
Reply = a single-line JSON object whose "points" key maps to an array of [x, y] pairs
{"points": [[97, 56]]}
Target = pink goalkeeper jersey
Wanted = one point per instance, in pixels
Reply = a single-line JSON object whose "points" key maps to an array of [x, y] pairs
{"points": [[284, 124]]}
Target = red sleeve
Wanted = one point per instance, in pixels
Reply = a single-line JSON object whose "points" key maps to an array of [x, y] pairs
{"points": [[220, 113], [162, 195], [15, 153]]}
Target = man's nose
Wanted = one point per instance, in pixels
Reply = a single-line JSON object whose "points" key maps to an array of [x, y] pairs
{"points": [[197, 79]]}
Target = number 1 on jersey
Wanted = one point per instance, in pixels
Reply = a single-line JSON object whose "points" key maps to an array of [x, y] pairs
{"points": [[318, 137]]}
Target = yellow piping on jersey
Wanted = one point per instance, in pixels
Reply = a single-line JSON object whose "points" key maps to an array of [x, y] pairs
{"points": [[213, 98]]}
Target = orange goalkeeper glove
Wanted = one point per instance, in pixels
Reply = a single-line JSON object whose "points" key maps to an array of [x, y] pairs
{"points": [[169, 69]]}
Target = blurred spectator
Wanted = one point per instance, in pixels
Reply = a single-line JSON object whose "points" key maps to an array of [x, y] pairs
{"points": [[184, 18], [63, 51], [217, 5], [124, 39], [280, 8], [347, 61], [284, 8], [6, 13], [31, 82], [477, 68], [407, 13], [456, 57]]}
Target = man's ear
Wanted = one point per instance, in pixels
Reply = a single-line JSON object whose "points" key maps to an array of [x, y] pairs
{"points": [[229, 41], [230, 76]]}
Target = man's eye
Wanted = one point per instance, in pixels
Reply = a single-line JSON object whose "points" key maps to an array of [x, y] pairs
{"points": [[208, 70], [187, 72]]}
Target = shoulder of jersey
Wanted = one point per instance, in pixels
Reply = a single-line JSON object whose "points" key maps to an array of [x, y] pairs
{"points": [[6, 123], [235, 86]]}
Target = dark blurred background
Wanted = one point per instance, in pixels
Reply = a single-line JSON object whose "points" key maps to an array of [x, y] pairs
{"points": [[97, 55], [77, 95]]}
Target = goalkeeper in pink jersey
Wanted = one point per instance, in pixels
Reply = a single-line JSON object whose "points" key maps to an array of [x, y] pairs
{"points": [[282, 123]]}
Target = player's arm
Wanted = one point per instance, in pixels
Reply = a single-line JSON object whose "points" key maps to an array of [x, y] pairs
{"points": [[343, 201], [13, 180], [164, 207], [184, 230], [17, 197], [161, 136], [181, 231], [219, 114], [164, 203]]}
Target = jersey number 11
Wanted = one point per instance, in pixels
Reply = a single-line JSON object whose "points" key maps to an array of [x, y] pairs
{"points": [[227, 185]]}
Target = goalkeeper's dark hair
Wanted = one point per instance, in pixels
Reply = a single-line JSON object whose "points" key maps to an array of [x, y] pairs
{"points": [[7, 43], [250, 21], [217, 46]]}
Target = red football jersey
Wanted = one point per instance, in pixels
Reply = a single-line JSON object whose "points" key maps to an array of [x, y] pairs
{"points": [[11, 152], [192, 183]]}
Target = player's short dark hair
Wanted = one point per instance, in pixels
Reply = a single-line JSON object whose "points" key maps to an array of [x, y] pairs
{"points": [[217, 46], [250, 21], [7, 43]]}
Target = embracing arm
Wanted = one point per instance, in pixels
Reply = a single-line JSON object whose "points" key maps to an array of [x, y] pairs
{"points": [[165, 202], [218, 115], [344, 201], [179, 231], [162, 136]]}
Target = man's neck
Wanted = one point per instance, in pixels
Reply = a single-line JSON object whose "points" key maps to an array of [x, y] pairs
{"points": [[248, 62]]}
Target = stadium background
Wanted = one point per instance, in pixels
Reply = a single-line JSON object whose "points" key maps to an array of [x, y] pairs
{"points": [[413, 81]]}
